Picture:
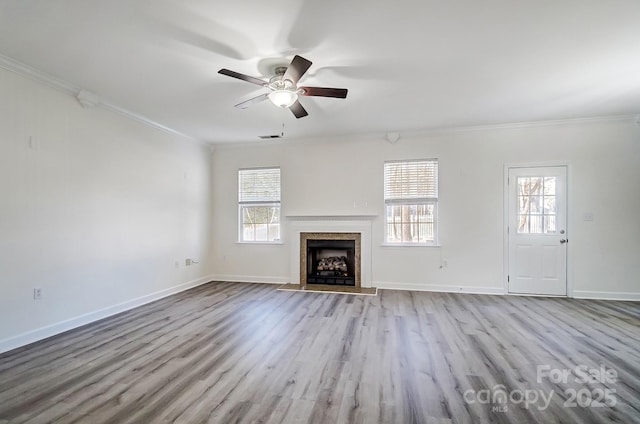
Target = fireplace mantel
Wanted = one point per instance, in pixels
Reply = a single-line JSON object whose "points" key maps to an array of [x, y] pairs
{"points": [[337, 217]]}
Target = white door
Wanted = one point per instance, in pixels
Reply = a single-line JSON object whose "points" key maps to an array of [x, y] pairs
{"points": [[537, 233]]}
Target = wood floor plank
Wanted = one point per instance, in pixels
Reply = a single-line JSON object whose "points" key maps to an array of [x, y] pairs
{"points": [[248, 353]]}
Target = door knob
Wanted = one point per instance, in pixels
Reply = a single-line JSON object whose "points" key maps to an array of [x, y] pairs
{"points": [[563, 241]]}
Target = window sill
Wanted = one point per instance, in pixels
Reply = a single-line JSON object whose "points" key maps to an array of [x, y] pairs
{"points": [[409, 245]]}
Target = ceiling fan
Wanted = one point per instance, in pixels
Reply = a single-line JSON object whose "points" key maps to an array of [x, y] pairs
{"points": [[283, 88]]}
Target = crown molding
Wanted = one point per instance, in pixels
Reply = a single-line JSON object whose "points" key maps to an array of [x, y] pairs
{"points": [[546, 123], [84, 97], [439, 131], [430, 132], [27, 71]]}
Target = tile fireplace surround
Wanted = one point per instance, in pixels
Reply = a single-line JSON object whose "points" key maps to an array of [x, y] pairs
{"points": [[333, 225], [305, 236]]}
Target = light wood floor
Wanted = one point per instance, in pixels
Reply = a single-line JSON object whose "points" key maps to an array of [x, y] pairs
{"points": [[230, 352]]}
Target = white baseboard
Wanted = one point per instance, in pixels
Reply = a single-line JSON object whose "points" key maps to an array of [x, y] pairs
{"points": [[602, 295], [70, 324], [60, 327], [438, 288], [250, 279], [377, 284]]}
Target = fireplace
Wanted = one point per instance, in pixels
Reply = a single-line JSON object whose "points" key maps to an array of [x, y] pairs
{"points": [[330, 227], [330, 259]]}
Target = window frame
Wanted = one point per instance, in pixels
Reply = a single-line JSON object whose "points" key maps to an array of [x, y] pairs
{"points": [[242, 205], [413, 201]]}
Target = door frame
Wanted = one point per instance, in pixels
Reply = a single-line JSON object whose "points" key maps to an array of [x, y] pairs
{"points": [[505, 222]]}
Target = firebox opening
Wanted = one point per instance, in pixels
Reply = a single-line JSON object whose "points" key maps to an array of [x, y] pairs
{"points": [[331, 262]]}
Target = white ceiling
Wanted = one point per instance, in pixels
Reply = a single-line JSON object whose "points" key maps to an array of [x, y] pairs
{"points": [[409, 65]]}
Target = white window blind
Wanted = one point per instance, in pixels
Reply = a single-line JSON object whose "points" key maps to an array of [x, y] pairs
{"points": [[416, 179], [259, 185]]}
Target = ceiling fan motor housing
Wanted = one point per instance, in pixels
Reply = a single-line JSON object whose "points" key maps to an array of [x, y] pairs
{"points": [[280, 70], [278, 83]]}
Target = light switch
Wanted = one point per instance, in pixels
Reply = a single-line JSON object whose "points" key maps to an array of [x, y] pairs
{"points": [[33, 143], [587, 216]]}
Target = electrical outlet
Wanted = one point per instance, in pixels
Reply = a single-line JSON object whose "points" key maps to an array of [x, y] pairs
{"points": [[359, 204], [33, 143], [37, 293], [187, 262]]}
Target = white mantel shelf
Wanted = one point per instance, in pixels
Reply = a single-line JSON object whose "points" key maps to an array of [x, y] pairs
{"points": [[340, 217]]}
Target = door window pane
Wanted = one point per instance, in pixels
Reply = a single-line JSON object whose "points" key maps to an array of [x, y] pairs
{"points": [[550, 205], [549, 186], [535, 204], [523, 185], [550, 224], [535, 187], [535, 224], [537, 207]]}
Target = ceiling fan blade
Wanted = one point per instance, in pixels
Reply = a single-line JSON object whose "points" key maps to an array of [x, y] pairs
{"points": [[298, 110], [340, 93], [295, 71], [243, 77], [254, 100]]}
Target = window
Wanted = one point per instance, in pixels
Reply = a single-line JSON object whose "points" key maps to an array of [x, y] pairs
{"points": [[537, 205], [411, 201], [259, 204]]}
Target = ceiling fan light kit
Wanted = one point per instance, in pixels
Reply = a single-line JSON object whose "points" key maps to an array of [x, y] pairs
{"points": [[283, 85], [283, 91], [283, 98]]}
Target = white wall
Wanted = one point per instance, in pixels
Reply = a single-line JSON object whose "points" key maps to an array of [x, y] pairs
{"points": [[604, 159], [95, 211]]}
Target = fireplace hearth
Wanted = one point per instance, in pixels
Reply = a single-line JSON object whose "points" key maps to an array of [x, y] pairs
{"points": [[330, 259]]}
